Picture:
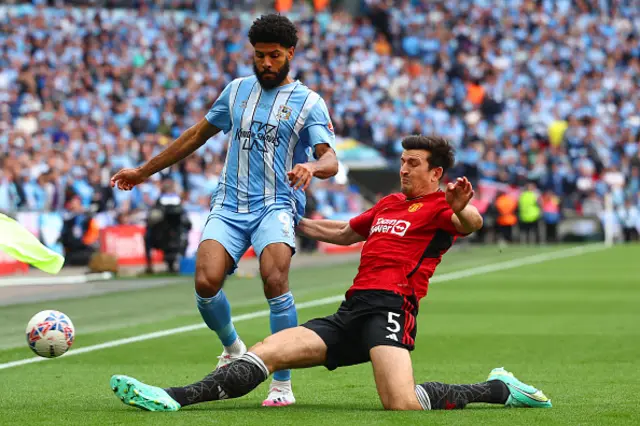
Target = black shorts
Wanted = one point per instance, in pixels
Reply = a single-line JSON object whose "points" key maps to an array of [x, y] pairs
{"points": [[369, 318]]}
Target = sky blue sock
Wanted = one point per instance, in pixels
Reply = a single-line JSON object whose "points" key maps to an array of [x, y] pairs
{"points": [[216, 313], [283, 316]]}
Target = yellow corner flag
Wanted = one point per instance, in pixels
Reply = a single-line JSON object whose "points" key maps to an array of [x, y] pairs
{"points": [[18, 242]]}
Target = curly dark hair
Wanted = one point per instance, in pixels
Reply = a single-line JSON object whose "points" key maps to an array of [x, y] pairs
{"points": [[273, 28], [442, 152]]}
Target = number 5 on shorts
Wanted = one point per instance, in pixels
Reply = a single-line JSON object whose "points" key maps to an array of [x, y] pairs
{"points": [[394, 326]]}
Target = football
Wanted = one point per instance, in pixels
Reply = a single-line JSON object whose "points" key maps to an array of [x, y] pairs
{"points": [[50, 333]]}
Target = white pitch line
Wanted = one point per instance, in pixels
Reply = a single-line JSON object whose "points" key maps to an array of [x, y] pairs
{"points": [[516, 263], [55, 280], [493, 267]]}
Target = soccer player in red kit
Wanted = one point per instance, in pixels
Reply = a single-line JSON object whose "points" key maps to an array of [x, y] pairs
{"points": [[406, 235]]}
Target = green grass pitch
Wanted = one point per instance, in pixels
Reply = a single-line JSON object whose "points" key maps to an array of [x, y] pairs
{"points": [[570, 326]]}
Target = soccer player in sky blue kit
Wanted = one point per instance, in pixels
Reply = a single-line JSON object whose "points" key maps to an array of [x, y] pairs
{"points": [[275, 123]]}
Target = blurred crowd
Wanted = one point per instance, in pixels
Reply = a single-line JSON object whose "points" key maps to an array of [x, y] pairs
{"points": [[541, 93]]}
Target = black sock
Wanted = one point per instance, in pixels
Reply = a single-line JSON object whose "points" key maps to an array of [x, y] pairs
{"points": [[231, 381], [449, 397]]}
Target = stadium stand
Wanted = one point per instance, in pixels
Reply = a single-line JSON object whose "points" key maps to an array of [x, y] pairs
{"points": [[531, 92]]}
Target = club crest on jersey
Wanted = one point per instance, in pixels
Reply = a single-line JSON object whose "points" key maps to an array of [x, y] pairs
{"points": [[243, 104], [390, 226], [284, 113], [415, 207]]}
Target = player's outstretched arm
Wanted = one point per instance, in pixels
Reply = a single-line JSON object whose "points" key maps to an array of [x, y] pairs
{"points": [[192, 139], [329, 231]]}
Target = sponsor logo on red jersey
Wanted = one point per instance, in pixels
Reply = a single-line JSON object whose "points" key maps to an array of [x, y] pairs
{"points": [[390, 226]]}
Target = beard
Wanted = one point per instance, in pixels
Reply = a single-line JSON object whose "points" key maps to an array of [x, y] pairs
{"points": [[277, 78]]}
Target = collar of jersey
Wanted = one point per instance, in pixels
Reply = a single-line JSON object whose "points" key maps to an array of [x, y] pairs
{"points": [[422, 196]]}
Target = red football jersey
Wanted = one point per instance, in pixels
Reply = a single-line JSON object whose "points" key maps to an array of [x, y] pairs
{"points": [[406, 239]]}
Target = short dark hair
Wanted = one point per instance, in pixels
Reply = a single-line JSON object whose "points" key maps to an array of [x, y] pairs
{"points": [[442, 152], [273, 28]]}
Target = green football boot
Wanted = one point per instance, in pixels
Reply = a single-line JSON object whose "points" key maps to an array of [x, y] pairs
{"points": [[520, 394], [137, 394]]}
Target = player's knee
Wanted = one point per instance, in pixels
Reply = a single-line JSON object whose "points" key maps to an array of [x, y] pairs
{"points": [[398, 404], [400, 400], [267, 352], [276, 283], [208, 281], [255, 347], [267, 344], [270, 350]]}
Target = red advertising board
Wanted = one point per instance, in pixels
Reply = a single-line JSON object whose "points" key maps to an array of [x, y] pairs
{"points": [[126, 242], [8, 265]]}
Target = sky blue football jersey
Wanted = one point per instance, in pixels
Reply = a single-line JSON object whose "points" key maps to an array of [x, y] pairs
{"points": [[271, 131]]}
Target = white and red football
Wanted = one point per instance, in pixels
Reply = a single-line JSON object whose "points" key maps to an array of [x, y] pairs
{"points": [[50, 333]]}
